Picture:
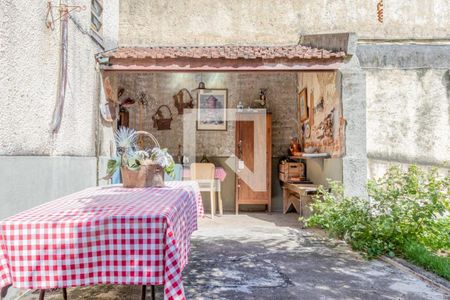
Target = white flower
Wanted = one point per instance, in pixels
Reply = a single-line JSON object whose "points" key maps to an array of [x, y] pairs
{"points": [[125, 138], [161, 157]]}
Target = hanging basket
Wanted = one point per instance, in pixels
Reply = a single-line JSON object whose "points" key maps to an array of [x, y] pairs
{"points": [[148, 175], [160, 121]]}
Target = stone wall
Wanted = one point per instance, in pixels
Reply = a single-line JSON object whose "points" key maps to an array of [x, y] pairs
{"points": [[205, 22], [160, 88]]}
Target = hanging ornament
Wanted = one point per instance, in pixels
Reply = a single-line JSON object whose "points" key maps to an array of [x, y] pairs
{"points": [[380, 11]]}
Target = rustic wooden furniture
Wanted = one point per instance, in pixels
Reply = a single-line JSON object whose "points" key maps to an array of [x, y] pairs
{"points": [[291, 172], [299, 196], [253, 149], [204, 174]]}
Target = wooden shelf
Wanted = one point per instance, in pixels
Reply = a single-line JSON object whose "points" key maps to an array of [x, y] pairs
{"points": [[311, 156]]}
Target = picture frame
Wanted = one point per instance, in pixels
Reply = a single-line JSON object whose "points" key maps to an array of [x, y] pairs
{"points": [[212, 110], [302, 101]]}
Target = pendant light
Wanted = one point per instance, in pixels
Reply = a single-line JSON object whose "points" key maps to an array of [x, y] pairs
{"points": [[201, 84]]}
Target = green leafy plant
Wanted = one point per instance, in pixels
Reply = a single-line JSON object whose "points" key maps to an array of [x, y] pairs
{"points": [[131, 157], [403, 207]]}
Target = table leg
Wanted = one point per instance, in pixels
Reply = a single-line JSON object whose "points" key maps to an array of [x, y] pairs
{"points": [[41, 294], [213, 199], [64, 290], [153, 292], [4, 291], [219, 188], [144, 292]]}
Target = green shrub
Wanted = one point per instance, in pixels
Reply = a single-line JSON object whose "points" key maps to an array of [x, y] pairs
{"points": [[402, 207], [421, 256]]}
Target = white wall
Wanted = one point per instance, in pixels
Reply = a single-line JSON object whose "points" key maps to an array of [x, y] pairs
{"points": [[29, 56], [205, 22], [408, 118]]}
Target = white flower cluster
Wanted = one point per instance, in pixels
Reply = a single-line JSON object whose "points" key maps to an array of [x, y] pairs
{"points": [[161, 157]]}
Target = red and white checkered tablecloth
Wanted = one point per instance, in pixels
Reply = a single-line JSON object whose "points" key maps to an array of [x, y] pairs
{"points": [[103, 235]]}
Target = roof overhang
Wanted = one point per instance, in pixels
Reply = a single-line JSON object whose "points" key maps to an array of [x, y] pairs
{"points": [[219, 59]]}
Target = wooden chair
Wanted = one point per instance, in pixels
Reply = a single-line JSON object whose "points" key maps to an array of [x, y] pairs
{"points": [[203, 173]]}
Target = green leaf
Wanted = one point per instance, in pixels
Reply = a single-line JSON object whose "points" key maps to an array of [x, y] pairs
{"points": [[112, 166]]}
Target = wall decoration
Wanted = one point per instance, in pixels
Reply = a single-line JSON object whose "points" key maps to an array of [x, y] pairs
{"points": [[262, 100], [179, 100], [380, 11], [211, 113], [302, 105], [324, 131], [161, 121], [307, 130]]}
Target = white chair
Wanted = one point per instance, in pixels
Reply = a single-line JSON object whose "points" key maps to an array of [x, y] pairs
{"points": [[203, 173]]}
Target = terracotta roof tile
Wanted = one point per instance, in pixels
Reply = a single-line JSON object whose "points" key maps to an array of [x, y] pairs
{"points": [[225, 52]]}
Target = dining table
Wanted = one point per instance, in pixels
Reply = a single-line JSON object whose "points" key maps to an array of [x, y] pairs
{"points": [[103, 235]]}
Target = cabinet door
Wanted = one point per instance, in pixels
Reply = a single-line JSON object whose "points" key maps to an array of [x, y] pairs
{"points": [[251, 138]]}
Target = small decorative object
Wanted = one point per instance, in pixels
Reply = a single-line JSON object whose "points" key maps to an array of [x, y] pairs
{"points": [[307, 130], [240, 107], [294, 147], [380, 11], [179, 101], [160, 121], [319, 107], [303, 105], [142, 104], [261, 102], [120, 92], [139, 168], [204, 159], [105, 112], [180, 154], [127, 102], [211, 113], [124, 117]]}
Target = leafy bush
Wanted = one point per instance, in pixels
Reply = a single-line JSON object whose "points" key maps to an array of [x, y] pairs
{"points": [[402, 207]]}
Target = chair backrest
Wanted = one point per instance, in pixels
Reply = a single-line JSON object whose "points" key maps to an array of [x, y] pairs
{"points": [[177, 173], [202, 171]]}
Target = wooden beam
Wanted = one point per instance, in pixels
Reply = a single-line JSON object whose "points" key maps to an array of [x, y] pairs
{"points": [[221, 65]]}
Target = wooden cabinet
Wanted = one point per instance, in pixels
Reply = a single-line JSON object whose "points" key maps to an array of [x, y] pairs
{"points": [[254, 153]]}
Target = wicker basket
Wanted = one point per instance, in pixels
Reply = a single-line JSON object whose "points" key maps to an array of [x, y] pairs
{"points": [[159, 121], [148, 175]]}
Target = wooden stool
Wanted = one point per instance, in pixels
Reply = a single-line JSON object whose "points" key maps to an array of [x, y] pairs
{"points": [[298, 195]]}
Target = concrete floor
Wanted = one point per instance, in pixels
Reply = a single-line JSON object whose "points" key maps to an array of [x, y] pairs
{"points": [[260, 256]]}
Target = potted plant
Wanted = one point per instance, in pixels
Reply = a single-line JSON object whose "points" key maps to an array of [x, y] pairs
{"points": [[139, 168]]}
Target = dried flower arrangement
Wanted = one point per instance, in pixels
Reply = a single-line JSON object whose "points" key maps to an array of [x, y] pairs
{"points": [[132, 158]]}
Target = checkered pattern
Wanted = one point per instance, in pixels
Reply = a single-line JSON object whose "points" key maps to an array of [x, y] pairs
{"points": [[103, 235], [218, 174]]}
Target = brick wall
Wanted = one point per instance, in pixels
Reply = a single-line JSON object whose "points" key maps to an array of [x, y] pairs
{"points": [[160, 88]]}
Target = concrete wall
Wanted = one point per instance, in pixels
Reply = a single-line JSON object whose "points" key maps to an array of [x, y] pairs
{"points": [[29, 55], [408, 105], [206, 22]]}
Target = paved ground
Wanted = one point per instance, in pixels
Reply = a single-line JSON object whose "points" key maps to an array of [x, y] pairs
{"points": [[260, 256]]}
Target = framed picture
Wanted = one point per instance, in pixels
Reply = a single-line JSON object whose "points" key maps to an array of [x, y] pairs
{"points": [[302, 102], [211, 112]]}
